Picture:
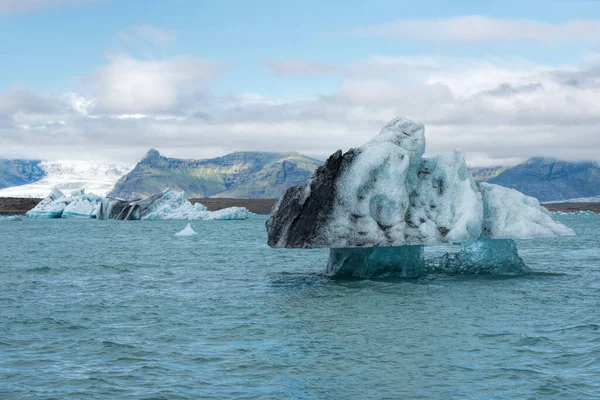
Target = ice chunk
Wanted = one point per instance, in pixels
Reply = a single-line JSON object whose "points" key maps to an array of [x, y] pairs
{"points": [[10, 218], [174, 205], [446, 205], [376, 262], [510, 214], [385, 194], [188, 231], [381, 194], [168, 205], [82, 205], [231, 213], [486, 257], [51, 207], [200, 207]]}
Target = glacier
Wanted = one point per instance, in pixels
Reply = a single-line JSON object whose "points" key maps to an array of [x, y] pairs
{"points": [[66, 176], [375, 206], [167, 205]]}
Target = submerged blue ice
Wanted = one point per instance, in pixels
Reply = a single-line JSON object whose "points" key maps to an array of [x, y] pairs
{"points": [[376, 262], [486, 257]]}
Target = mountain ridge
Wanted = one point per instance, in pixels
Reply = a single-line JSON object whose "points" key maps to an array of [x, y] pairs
{"points": [[547, 178], [235, 175], [19, 172]]}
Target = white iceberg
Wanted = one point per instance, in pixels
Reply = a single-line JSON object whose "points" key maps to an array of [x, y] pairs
{"points": [[51, 207], [509, 214], [57, 205], [167, 205], [385, 194], [82, 205], [188, 231], [173, 205]]}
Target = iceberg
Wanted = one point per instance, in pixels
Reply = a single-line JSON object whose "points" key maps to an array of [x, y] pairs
{"points": [[167, 205], [376, 262], [486, 257], [50, 207], [188, 231], [57, 205], [510, 214], [376, 206], [82, 205]]}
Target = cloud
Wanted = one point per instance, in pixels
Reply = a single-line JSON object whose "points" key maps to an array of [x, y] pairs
{"points": [[131, 85], [19, 6], [497, 111], [481, 29]]}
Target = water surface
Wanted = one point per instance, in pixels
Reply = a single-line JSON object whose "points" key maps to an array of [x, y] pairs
{"points": [[125, 310]]}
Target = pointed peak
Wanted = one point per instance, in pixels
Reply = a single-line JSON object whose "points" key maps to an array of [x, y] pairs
{"points": [[152, 153]]}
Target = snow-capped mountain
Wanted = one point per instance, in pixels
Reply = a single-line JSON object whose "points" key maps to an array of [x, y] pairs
{"points": [[95, 178]]}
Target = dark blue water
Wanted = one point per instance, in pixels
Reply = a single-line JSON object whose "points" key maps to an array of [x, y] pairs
{"points": [[125, 310]]}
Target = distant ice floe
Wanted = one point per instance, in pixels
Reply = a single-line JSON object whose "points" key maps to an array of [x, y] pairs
{"points": [[187, 231], [10, 218], [588, 212], [168, 205]]}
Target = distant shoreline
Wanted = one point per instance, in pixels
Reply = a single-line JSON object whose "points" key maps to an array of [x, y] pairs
{"points": [[18, 206]]}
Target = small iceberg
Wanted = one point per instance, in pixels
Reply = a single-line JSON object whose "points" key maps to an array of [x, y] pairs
{"points": [[82, 205], [57, 205], [188, 231], [51, 207]]}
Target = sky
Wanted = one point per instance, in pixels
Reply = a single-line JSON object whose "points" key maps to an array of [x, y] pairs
{"points": [[105, 80]]}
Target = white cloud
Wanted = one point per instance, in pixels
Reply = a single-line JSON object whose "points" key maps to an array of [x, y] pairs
{"points": [[130, 85], [481, 29], [497, 111], [17, 6]]}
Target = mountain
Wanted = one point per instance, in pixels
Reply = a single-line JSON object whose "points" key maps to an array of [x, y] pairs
{"points": [[19, 172], [483, 174], [39, 179], [549, 179], [236, 175]]}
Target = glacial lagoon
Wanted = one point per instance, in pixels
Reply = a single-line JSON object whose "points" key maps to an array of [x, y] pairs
{"points": [[124, 309]]}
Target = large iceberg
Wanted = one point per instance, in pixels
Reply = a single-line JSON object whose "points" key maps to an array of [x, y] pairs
{"points": [[167, 205], [385, 194]]}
